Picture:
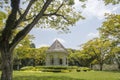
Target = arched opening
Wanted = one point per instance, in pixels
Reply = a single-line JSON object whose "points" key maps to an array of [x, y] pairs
{"points": [[60, 61], [66, 61]]}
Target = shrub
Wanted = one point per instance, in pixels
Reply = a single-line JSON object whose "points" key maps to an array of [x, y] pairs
{"points": [[78, 70], [55, 68], [65, 71], [51, 70], [27, 68], [83, 69], [72, 70]]}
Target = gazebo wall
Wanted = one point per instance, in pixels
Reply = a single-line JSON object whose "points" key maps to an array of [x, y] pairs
{"points": [[56, 59]]}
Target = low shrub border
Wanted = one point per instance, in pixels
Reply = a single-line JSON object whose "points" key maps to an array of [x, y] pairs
{"points": [[55, 68]]}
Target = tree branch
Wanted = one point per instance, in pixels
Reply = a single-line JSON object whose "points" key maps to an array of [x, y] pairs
{"points": [[97, 56], [59, 7], [29, 18], [27, 29], [24, 14], [55, 14], [19, 12], [25, 19]]}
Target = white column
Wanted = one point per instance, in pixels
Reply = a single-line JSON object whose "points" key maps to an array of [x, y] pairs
{"points": [[47, 60], [64, 61], [56, 59]]}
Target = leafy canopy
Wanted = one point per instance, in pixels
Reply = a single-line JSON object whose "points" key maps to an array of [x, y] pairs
{"points": [[111, 28]]}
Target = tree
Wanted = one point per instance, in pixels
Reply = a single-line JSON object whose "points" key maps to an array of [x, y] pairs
{"points": [[116, 55], [39, 56], [45, 13], [111, 2], [111, 30], [99, 49], [22, 51], [30, 56], [79, 58]]}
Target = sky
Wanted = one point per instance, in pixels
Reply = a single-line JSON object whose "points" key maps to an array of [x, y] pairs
{"points": [[83, 31]]}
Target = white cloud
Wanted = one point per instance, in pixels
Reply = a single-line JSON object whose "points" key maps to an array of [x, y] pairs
{"points": [[59, 39], [43, 45], [93, 35], [98, 9]]}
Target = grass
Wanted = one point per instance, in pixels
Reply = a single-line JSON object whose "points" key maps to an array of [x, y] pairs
{"points": [[90, 75]]}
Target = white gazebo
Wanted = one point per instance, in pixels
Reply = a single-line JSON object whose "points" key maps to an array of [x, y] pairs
{"points": [[56, 55]]}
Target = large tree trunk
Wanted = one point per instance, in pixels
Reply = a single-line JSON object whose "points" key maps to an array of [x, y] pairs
{"points": [[119, 66], [7, 65], [101, 67]]}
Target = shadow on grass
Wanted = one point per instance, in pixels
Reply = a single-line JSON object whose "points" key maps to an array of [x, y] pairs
{"points": [[45, 78]]}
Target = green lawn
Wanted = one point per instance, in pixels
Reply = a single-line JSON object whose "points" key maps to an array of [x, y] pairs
{"points": [[91, 75]]}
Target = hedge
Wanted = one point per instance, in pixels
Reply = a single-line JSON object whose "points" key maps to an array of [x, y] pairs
{"points": [[55, 68]]}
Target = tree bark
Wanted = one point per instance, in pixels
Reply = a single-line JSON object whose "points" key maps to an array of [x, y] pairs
{"points": [[7, 65], [101, 67], [119, 66]]}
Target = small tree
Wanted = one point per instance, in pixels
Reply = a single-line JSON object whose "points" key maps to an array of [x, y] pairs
{"points": [[111, 30], [99, 49], [21, 51]]}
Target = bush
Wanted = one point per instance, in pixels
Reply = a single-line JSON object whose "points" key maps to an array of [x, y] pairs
{"points": [[83, 69], [65, 71], [78, 70], [51, 70], [72, 70], [55, 68], [27, 68]]}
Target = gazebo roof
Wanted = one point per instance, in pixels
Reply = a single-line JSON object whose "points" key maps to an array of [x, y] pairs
{"points": [[57, 47]]}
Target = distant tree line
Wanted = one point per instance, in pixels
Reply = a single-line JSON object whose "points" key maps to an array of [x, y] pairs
{"points": [[101, 50], [104, 49]]}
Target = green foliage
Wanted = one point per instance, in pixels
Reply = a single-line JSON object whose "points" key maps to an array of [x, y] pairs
{"points": [[66, 14], [65, 71], [32, 45], [79, 58], [26, 55], [2, 19], [50, 68], [23, 47], [111, 30], [111, 1], [111, 27], [98, 48], [31, 56], [84, 69], [55, 69], [71, 2], [27, 68], [69, 18]]}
